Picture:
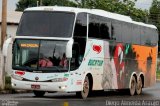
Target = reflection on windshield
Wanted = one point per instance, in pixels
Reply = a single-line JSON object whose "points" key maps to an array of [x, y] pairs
{"points": [[40, 55], [46, 24]]}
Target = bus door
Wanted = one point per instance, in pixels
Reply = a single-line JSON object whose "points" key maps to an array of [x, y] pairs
{"points": [[78, 50]]}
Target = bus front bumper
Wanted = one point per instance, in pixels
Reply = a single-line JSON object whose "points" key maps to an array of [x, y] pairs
{"points": [[41, 86]]}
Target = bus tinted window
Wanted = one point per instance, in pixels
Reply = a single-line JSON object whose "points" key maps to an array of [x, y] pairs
{"points": [[126, 32], [145, 40], [153, 36], [81, 25], [155, 33], [116, 30], [136, 38], [99, 27], [46, 24]]}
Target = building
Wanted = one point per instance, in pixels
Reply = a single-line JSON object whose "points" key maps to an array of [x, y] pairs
{"points": [[13, 19]]}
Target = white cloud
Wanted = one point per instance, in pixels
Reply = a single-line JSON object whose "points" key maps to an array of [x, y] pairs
{"points": [[143, 4], [11, 5]]}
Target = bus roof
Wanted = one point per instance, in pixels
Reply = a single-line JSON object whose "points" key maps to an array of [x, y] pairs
{"points": [[91, 11]]}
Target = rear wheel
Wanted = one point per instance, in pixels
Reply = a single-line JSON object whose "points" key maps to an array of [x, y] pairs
{"points": [[86, 89], [39, 93], [132, 88], [139, 86]]}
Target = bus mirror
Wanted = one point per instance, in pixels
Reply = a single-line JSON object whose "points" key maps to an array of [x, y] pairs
{"points": [[6, 45], [69, 49]]}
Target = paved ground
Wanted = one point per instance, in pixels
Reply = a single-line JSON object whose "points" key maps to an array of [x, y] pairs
{"points": [[149, 97]]}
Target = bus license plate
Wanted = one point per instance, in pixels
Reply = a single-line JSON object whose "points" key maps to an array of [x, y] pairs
{"points": [[35, 86]]}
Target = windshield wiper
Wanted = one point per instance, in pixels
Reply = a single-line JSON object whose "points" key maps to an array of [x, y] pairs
{"points": [[27, 68], [23, 68], [57, 68]]}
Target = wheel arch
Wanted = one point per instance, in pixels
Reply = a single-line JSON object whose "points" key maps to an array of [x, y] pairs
{"points": [[90, 77]]}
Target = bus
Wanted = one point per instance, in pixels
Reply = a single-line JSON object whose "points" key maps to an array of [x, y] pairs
{"points": [[67, 49]]}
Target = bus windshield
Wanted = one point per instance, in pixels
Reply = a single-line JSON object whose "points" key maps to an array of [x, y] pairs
{"points": [[46, 24], [40, 56]]}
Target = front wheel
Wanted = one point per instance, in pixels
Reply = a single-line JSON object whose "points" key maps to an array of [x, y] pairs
{"points": [[39, 93], [86, 89]]}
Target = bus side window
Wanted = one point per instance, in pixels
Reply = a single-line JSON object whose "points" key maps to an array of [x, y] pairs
{"points": [[144, 37], [126, 32], [81, 25], [116, 31], [80, 36], [99, 27], [136, 38]]}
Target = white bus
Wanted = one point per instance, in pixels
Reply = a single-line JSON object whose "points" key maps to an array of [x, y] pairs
{"points": [[78, 50]]}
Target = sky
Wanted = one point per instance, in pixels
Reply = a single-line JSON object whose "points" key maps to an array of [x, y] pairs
{"points": [[11, 4], [143, 4]]}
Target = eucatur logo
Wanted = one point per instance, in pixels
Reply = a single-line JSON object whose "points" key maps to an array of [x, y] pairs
{"points": [[97, 48], [36, 78]]}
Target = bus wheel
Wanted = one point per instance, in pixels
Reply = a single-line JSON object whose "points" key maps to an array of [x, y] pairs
{"points": [[139, 86], [86, 88], [39, 93], [132, 88]]}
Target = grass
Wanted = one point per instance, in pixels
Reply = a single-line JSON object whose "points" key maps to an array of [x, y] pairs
{"points": [[8, 83], [158, 74], [8, 86]]}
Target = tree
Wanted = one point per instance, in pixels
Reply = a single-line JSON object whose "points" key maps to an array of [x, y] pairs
{"points": [[124, 7], [154, 14], [23, 4], [154, 18]]}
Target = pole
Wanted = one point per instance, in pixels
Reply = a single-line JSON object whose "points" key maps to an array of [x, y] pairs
{"points": [[41, 2], [4, 22], [3, 35], [37, 3]]}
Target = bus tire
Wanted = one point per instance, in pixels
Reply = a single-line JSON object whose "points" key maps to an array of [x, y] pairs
{"points": [[39, 93], [132, 88], [86, 89], [139, 86]]}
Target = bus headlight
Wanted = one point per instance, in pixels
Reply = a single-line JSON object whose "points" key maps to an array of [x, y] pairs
{"points": [[17, 77], [59, 79]]}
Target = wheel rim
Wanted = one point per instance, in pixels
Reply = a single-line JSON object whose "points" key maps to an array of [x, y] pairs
{"points": [[133, 86], [139, 86]]}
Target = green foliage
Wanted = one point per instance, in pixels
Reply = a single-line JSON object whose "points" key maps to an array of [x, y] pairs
{"points": [[8, 83], [158, 74], [154, 16], [23, 4], [59, 3], [125, 7]]}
